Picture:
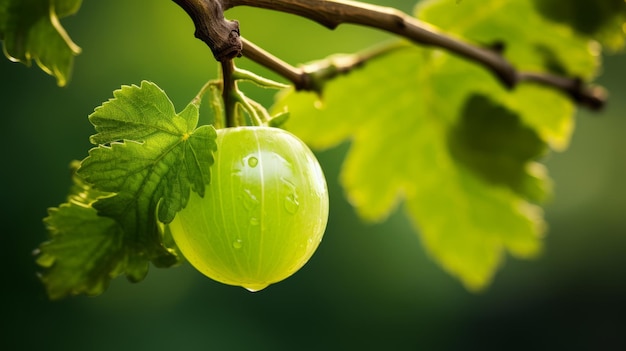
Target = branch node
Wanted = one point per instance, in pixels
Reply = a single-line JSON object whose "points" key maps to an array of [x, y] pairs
{"points": [[221, 35]]}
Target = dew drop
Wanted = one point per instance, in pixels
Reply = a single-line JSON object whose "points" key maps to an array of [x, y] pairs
{"points": [[291, 203], [318, 104], [253, 161], [288, 183], [255, 287], [254, 221], [250, 201], [237, 244]]}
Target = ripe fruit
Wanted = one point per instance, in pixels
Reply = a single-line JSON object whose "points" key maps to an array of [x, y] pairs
{"points": [[262, 216]]}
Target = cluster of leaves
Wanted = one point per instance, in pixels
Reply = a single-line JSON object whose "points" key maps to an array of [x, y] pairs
{"points": [[146, 162], [429, 132]]}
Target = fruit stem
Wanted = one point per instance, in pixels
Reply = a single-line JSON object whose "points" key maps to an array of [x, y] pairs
{"points": [[215, 99], [250, 107], [229, 92], [262, 115], [242, 74], [236, 103]]}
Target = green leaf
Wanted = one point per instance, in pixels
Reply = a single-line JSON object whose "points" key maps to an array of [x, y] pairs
{"points": [[441, 136], [603, 20], [31, 30], [147, 161], [85, 250], [532, 42], [150, 157], [491, 141]]}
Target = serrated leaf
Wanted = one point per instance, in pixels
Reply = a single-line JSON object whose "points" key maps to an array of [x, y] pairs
{"points": [[147, 161], [411, 116], [136, 113], [85, 250], [159, 159], [31, 30]]}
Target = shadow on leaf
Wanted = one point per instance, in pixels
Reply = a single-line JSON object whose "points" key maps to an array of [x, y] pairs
{"points": [[493, 142]]}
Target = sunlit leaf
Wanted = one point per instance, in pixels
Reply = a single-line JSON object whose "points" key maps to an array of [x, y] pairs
{"points": [[441, 137], [31, 30]]}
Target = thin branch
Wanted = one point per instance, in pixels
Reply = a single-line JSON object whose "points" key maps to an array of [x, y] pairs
{"points": [[593, 97], [264, 58], [312, 77], [332, 13]]}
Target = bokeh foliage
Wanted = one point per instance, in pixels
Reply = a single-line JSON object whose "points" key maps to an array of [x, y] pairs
{"points": [[368, 285]]}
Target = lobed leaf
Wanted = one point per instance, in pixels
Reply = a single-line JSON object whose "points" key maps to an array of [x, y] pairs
{"points": [[147, 161], [31, 30], [442, 137], [85, 250]]}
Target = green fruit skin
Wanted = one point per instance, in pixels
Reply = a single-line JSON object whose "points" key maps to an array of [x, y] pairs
{"points": [[263, 214]]}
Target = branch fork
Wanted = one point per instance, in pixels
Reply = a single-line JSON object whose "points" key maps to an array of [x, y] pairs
{"points": [[221, 35], [224, 39]]}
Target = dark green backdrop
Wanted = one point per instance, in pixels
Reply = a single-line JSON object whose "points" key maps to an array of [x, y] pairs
{"points": [[368, 286]]}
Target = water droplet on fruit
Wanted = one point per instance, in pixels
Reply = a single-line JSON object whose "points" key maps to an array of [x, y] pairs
{"points": [[250, 202], [318, 104], [291, 203], [289, 184], [254, 221], [253, 161], [255, 287], [291, 199], [237, 244]]}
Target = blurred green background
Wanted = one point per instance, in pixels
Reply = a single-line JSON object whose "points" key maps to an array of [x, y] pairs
{"points": [[367, 287]]}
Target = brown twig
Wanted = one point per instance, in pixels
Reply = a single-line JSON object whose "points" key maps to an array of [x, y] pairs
{"points": [[295, 75], [221, 35], [332, 13], [593, 97], [313, 76], [208, 18]]}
